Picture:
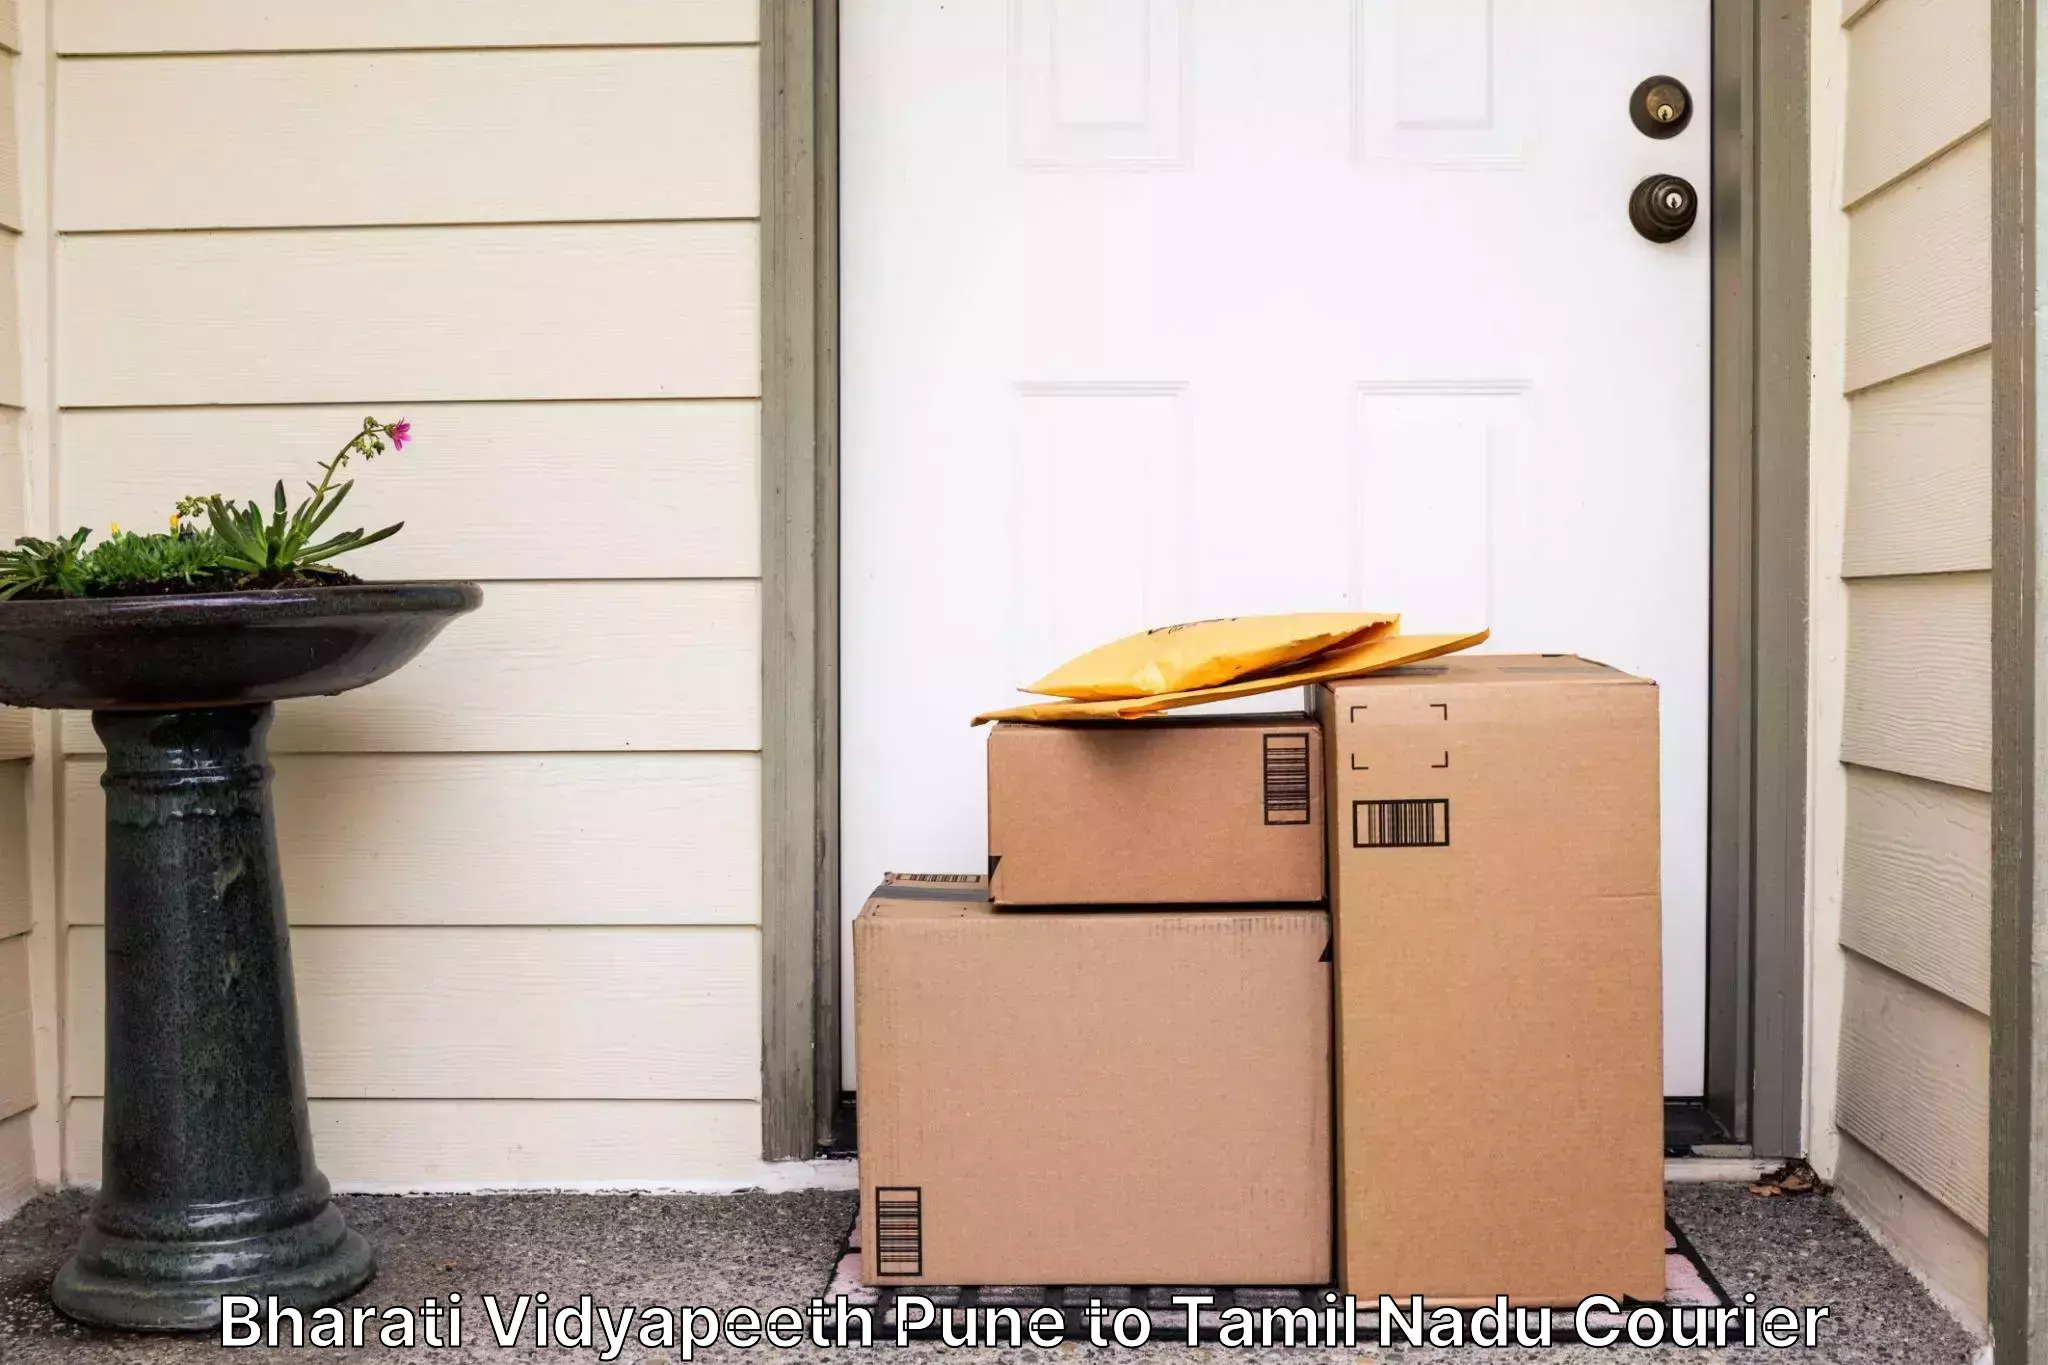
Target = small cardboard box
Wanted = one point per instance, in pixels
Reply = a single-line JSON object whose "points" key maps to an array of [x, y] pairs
{"points": [[1182, 811], [1136, 1097], [1494, 892]]}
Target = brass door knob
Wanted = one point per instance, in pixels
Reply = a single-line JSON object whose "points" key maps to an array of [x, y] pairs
{"points": [[1663, 207]]}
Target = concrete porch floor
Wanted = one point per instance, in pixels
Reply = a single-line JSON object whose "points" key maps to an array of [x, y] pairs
{"points": [[768, 1249]]}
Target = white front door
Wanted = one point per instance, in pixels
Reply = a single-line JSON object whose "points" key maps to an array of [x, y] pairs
{"points": [[1163, 309]]}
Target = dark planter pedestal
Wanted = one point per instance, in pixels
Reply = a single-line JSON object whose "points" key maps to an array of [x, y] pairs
{"points": [[209, 1186]]}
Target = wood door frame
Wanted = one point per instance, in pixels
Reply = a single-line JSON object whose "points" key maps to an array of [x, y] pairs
{"points": [[1756, 962], [2018, 1288]]}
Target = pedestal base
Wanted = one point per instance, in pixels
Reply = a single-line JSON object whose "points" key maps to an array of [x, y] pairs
{"points": [[208, 1184], [178, 1286]]}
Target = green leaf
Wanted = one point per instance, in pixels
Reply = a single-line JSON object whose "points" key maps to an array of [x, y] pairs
{"points": [[350, 540], [306, 532]]}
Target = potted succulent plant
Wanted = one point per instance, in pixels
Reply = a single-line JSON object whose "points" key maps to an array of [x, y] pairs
{"points": [[178, 643]]}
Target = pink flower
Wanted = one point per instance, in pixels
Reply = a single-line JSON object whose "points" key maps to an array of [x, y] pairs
{"points": [[400, 434]]}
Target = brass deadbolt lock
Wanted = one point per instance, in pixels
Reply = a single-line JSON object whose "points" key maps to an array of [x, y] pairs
{"points": [[1660, 107], [1663, 207]]}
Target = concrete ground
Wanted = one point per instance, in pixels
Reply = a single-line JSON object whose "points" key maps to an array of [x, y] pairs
{"points": [[768, 1249]]}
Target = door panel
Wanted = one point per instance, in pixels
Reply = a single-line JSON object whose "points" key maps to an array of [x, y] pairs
{"points": [[1162, 309]]}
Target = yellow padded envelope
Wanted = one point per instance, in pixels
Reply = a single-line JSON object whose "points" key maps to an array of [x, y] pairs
{"points": [[1200, 654], [1351, 661]]}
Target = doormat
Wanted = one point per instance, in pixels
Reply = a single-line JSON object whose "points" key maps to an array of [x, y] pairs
{"points": [[1688, 1284]]}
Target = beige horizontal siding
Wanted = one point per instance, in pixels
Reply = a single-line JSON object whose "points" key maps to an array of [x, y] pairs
{"points": [[411, 1144], [409, 137], [434, 839], [554, 666], [1919, 82], [13, 490], [125, 26], [16, 733], [14, 852], [10, 330], [10, 25], [1919, 678], [17, 1030], [1915, 1084], [523, 873], [17, 1164], [497, 1013], [394, 315], [1920, 268], [663, 489], [10, 152], [1916, 882], [1952, 1256], [1919, 497]]}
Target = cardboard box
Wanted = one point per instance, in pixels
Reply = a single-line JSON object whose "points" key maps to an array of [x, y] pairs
{"points": [[1183, 811], [1135, 1097], [1494, 891]]}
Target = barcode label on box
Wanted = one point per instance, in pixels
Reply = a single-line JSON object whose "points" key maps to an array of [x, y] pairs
{"points": [[1424, 823], [899, 1230], [1287, 779]]}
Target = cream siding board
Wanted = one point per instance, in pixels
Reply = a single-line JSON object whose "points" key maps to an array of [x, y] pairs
{"points": [[409, 137], [1919, 82], [17, 1031], [1919, 498], [169, 26], [1916, 892], [1919, 678], [10, 25], [515, 1013], [1948, 1255], [523, 873], [10, 153], [14, 851], [425, 1144], [1911, 1091], [409, 314], [488, 839], [1915, 1085], [554, 666], [16, 740], [10, 331], [17, 1164], [1920, 268], [659, 489]]}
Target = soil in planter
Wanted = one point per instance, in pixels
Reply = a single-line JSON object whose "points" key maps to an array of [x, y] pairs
{"points": [[206, 587]]}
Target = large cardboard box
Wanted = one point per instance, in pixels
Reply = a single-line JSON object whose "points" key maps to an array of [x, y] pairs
{"points": [[1133, 1097], [1494, 891], [1174, 811]]}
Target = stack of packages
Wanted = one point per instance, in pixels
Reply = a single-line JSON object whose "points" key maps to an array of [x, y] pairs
{"points": [[1232, 1007]]}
